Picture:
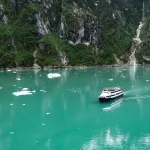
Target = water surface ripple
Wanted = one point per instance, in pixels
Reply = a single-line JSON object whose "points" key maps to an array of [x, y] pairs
{"points": [[63, 113]]}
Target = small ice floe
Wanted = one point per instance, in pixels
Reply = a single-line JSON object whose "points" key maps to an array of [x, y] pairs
{"points": [[43, 124], [42, 91], [124, 69], [14, 72], [147, 80], [53, 75], [132, 86], [47, 113], [11, 132], [75, 91], [0, 88], [111, 79], [24, 91], [18, 79], [11, 104], [8, 70], [14, 85], [40, 75], [23, 104]]}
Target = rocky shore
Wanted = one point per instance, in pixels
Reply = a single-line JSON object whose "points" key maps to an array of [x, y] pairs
{"points": [[61, 67]]}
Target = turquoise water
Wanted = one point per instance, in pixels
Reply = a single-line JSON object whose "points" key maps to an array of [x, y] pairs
{"points": [[64, 113]]}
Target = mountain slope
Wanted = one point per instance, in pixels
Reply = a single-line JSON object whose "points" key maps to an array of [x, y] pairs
{"points": [[66, 32]]}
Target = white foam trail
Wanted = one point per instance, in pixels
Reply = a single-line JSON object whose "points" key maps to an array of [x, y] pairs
{"points": [[8, 70], [53, 75], [113, 106], [11, 104], [43, 124]]}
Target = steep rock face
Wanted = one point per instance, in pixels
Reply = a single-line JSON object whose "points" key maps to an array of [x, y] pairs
{"points": [[79, 25], [143, 54], [65, 31]]}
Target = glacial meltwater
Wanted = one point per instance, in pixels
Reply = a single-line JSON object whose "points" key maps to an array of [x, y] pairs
{"points": [[44, 112]]}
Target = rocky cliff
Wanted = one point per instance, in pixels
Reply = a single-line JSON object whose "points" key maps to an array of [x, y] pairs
{"points": [[66, 32]]}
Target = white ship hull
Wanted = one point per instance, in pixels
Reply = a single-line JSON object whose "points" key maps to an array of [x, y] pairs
{"points": [[108, 95]]}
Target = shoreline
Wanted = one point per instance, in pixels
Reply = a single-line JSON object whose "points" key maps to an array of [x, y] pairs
{"points": [[69, 67]]}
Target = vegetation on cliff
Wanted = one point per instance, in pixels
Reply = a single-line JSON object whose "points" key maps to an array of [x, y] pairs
{"points": [[90, 34]]}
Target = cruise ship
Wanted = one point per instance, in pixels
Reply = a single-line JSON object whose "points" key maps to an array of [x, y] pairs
{"points": [[110, 93]]}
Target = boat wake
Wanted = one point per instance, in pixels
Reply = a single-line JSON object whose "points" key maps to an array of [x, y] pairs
{"points": [[114, 105], [139, 97]]}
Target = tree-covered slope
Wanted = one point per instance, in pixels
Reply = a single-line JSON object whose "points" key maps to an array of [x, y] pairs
{"points": [[66, 32]]}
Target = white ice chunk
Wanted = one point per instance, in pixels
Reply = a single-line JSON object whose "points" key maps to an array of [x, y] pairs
{"points": [[53, 75], [111, 79], [42, 91], [11, 132], [22, 93], [18, 79], [47, 113], [25, 89]]}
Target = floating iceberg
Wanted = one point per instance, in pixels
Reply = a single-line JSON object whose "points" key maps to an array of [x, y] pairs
{"points": [[53, 75]]}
